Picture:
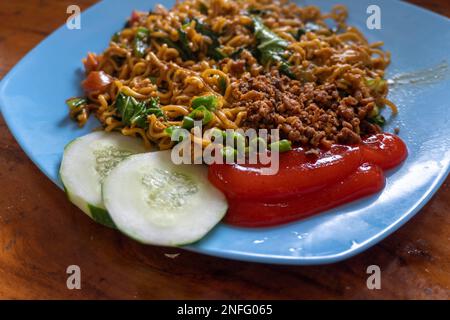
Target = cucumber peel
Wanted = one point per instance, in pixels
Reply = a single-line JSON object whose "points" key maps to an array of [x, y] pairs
{"points": [[86, 162]]}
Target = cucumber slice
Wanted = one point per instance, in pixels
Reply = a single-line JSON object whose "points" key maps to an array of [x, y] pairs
{"points": [[156, 202], [85, 164]]}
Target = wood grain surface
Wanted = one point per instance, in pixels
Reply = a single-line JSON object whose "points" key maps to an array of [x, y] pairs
{"points": [[41, 233]]}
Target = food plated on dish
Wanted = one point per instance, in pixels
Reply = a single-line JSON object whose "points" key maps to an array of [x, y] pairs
{"points": [[50, 74], [221, 68]]}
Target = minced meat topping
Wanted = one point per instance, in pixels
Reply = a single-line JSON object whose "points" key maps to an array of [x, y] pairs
{"points": [[305, 113]]}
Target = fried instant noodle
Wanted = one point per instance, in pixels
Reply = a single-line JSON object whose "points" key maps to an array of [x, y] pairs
{"points": [[212, 47]]}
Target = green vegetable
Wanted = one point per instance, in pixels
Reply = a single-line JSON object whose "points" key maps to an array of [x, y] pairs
{"points": [[270, 45], [214, 49], [186, 23], [285, 69], [188, 123], [282, 146], [300, 33], [258, 12], [101, 216], [376, 85], [222, 85], [154, 80], [118, 60], [169, 130], [140, 43], [236, 139], [216, 53], [203, 29], [76, 102], [228, 152], [271, 48], [258, 144], [135, 113], [184, 41], [309, 27], [203, 8], [375, 112], [172, 44], [240, 143], [210, 102], [203, 113], [175, 130], [236, 54], [182, 46], [216, 133], [378, 120], [115, 37]]}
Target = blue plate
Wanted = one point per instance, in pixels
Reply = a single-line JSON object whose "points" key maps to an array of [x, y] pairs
{"points": [[32, 98]]}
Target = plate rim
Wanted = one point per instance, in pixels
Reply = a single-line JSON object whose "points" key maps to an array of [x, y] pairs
{"points": [[232, 254]]}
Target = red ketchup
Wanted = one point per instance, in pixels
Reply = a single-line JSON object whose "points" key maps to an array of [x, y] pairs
{"points": [[306, 184]]}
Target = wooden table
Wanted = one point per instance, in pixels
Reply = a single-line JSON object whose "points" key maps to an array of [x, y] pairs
{"points": [[41, 233]]}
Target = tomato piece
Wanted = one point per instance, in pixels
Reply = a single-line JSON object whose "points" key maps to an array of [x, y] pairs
{"points": [[134, 17], [385, 150], [299, 173], [97, 81], [90, 63], [367, 180]]}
